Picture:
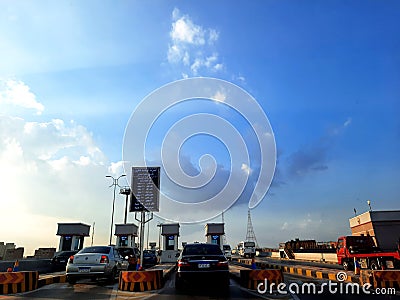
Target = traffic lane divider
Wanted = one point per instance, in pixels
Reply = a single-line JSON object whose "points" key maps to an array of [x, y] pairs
{"points": [[50, 279], [312, 272], [250, 279], [381, 278], [18, 282], [140, 281]]}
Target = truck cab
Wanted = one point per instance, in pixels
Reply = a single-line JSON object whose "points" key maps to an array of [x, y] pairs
{"points": [[364, 250]]}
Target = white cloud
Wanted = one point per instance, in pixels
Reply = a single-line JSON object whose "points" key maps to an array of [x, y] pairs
{"points": [[219, 96], [16, 93], [285, 226], [116, 168], [213, 36], [218, 67], [52, 171], [191, 45], [245, 168], [184, 31], [348, 122]]}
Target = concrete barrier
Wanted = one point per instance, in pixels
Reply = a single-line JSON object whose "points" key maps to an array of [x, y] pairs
{"points": [[252, 278], [307, 271], [50, 279], [381, 278], [40, 265], [140, 281], [259, 264], [18, 282], [326, 257]]}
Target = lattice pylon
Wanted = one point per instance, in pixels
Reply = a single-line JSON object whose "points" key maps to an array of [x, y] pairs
{"points": [[250, 235]]}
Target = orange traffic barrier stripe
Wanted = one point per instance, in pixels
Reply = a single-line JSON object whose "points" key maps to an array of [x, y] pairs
{"points": [[12, 277], [381, 278], [140, 281], [18, 282], [251, 278]]}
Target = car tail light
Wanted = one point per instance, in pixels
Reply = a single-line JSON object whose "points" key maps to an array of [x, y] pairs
{"points": [[182, 263], [222, 264], [104, 259], [71, 259]]}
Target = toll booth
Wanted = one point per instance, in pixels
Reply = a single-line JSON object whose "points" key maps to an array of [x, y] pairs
{"points": [[170, 234], [214, 233], [72, 235], [126, 234]]}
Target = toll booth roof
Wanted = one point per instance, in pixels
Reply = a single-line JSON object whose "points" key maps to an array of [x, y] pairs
{"points": [[214, 228], [170, 229], [126, 229], [78, 229]]}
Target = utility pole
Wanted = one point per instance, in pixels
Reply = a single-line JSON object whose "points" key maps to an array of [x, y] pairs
{"points": [[94, 223]]}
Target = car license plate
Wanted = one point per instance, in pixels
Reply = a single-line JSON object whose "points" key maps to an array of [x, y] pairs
{"points": [[84, 270], [204, 266]]}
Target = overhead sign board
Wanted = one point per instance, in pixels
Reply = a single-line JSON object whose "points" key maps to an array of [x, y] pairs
{"points": [[145, 189]]}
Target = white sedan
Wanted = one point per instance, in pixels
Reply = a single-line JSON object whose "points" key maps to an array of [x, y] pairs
{"points": [[95, 262]]}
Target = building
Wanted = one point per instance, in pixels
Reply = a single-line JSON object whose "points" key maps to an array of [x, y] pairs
{"points": [[4, 248], [13, 254]]}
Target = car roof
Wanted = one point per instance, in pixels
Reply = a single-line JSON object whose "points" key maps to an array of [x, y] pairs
{"points": [[202, 244]]}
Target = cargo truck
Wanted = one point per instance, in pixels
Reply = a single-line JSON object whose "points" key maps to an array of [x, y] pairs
{"points": [[247, 249], [363, 250]]}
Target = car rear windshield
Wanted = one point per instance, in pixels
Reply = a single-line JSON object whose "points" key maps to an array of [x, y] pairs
{"points": [[98, 249], [202, 250]]}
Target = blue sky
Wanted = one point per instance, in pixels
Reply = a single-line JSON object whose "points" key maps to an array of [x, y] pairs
{"points": [[326, 74]]}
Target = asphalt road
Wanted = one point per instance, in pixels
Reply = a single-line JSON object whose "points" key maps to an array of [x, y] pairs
{"points": [[324, 291], [85, 289]]}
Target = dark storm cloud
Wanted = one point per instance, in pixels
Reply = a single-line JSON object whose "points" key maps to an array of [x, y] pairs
{"points": [[304, 161]]}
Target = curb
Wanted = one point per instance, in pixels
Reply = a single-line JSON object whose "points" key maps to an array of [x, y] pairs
{"points": [[52, 279], [306, 272]]}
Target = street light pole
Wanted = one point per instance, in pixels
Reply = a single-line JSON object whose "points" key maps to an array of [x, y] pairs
{"points": [[125, 191], [159, 235], [115, 184]]}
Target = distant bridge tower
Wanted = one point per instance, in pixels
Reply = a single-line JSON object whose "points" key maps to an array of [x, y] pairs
{"points": [[250, 235]]}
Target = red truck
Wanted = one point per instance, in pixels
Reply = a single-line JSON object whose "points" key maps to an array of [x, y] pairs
{"points": [[363, 249]]}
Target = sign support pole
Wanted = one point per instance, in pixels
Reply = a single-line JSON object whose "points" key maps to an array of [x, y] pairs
{"points": [[142, 222]]}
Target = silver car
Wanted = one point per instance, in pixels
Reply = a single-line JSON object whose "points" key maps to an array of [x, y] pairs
{"points": [[95, 262]]}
